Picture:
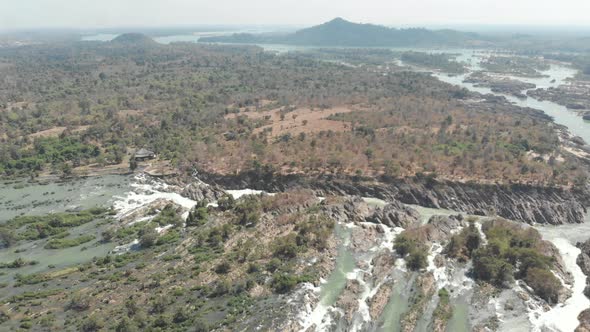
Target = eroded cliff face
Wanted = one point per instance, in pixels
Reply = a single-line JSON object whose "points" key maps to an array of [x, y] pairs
{"points": [[526, 203]]}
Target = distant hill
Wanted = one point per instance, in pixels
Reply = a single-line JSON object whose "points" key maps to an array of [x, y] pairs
{"points": [[340, 32], [133, 39]]}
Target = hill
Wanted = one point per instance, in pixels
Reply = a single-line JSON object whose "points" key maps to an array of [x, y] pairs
{"points": [[340, 32], [133, 39]]}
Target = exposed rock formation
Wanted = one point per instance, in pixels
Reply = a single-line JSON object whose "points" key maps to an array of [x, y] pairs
{"points": [[348, 300], [378, 302], [497, 84], [395, 214], [584, 318], [527, 203], [199, 191], [584, 263]]}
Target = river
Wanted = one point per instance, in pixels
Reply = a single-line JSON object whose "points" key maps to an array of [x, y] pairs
{"points": [[562, 317], [127, 193]]}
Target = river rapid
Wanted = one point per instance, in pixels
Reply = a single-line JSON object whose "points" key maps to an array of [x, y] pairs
{"points": [[127, 193], [562, 317]]}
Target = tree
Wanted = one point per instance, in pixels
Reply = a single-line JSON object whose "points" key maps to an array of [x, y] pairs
{"points": [[126, 325], [107, 235], [473, 239], [92, 324], [417, 259], [66, 170], [148, 237], [544, 283], [132, 164], [226, 202]]}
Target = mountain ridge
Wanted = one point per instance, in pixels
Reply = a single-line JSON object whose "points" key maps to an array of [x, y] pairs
{"points": [[340, 32]]}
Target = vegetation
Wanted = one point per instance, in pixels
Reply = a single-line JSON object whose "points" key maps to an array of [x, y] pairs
{"points": [[513, 252], [415, 253], [17, 263], [444, 309], [51, 225], [515, 65], [439, 61], [462, 245], [67, 243], [207, 107], [217, 269]]}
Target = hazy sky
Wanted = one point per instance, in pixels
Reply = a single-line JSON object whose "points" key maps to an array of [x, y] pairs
{"points": [[15, 14]]}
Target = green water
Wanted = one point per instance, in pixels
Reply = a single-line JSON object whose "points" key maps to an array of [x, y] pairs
{"points": [[23, 198], [345, 263], [459, 321], [395, 308]]}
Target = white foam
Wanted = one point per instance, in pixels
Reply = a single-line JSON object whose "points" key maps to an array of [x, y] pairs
{"points": [[243, 192], [146, 191], [162, 229], [564, 317]]}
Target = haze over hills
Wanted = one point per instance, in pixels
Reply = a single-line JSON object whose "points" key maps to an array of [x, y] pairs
{"points": [[133, 38], [340, 32]]}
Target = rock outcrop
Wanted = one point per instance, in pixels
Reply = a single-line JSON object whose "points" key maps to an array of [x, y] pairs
{"points": [[395, 214], [198, 191], [583, 261], [378, 302], [520, 202], [348, 300], [584, 318]]}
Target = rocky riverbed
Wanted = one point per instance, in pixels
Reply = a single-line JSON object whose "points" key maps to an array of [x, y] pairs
{"points": [[527, 203], [499, 84], [575, 95]]}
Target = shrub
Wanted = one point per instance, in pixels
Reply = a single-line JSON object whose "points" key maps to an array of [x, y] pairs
{"points": [[168, 216], [181, 315], [148, 237], [273, 265], [68, 243], [416, 253], [417, 259], [283, 283], [126, 325], [248, 211], [544, 283], [285, 247], [227, 202], [79, 302], [162, 321], [403, 245], [197, 217], [223, 268], [159, 305], [492, 268], [200, 326], [222, 287], [92, 324]]}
